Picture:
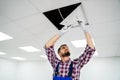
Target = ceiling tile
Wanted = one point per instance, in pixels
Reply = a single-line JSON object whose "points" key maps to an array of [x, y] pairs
{"points": [[16, 9], [45, 5], [4, 20], [101, 11], [32, 20]]}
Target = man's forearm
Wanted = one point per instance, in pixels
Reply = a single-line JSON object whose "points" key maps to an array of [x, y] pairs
{"points": [[89, 39], [52, 40], [57, 36], [86, 31]]}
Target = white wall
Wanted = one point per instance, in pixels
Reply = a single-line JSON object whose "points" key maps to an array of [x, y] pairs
{"points": [[96, 69], [7, 69], [102, 69], [34, 70]]}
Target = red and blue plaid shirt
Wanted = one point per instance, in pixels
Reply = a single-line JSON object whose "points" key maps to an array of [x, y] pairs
{"points": [[78, 63]]}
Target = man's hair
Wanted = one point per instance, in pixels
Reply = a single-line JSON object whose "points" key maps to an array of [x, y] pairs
{"points": [[60, 47]]}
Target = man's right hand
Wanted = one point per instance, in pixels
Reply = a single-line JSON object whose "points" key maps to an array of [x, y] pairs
{"points": [[65, 29]]}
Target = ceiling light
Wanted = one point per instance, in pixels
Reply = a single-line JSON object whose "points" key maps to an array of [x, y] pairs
{"points": [[29, 49], [96, 53], [43, 56], [2, 53], [80, 43], [18, 58], [3, 37]]}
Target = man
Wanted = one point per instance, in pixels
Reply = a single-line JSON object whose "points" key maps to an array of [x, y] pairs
{"points": [[66, 69]]}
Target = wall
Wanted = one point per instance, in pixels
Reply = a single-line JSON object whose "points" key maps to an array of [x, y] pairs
{"points": [[102, 69], [96, 69], [34, 70], [7, 69]]}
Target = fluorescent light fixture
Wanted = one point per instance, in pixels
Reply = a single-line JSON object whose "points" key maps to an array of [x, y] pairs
{"points": [[96, 53], [29, 49], [80, 43], [43, 56], [2, 53], [18, 58], [3, 37]]}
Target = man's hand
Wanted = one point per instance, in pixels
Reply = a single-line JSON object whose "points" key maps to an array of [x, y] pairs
{"points": [[83, 26], [65, 29], [86, 29]]}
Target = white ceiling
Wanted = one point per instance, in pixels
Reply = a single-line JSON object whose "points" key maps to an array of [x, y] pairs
{"points": [[24, 21]]}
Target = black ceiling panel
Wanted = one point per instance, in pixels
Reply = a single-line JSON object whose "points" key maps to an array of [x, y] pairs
{"points": [[55, 17]]}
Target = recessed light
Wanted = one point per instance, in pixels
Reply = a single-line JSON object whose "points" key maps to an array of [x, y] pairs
{"points": [[3, 37], [43, 56], [80, 43], [18, 58], [29, 49], [96, 53], [2, 53]]}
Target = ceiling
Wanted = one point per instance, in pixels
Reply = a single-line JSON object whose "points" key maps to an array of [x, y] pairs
{"points": [[25, 22]]}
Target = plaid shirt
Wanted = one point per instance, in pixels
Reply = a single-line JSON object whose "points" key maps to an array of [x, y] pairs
{"points": [[78, 63]]}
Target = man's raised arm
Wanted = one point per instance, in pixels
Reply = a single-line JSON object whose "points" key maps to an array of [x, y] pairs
{"points": [[52, 41], [89, 40], [86, 28]]}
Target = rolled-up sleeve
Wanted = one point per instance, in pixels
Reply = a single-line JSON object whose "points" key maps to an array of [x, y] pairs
{"points": [[52, 56], [85, 57]]}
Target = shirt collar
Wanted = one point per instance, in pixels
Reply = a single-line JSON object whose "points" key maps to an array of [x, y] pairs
{"points": [[68, 61]]}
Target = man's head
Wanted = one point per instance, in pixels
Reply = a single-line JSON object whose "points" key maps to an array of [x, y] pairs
{"points": [[63, 51]]}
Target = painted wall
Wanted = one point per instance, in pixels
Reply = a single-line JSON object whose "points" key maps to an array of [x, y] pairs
{"points": [[102, 69], [96, 69], [7, 69], [34, 70]]}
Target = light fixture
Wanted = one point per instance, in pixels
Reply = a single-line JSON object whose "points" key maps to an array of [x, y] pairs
{"points": [[3, 37], [2, 53], [96, 53], [29, 49], [80, 43], [18, 58], [43, 56]]}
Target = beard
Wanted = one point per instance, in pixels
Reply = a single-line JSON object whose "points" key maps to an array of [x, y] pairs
{"points": [[66, 54]]}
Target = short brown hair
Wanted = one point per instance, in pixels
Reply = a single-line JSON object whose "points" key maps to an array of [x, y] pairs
{"points": [[61, 46]]}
